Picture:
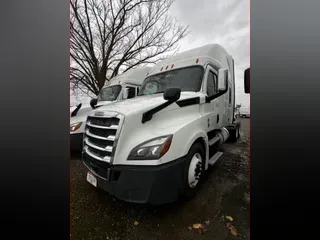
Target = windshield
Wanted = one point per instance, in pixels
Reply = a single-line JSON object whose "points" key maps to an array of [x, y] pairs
{"points": [[187, 79], [109, 93]]}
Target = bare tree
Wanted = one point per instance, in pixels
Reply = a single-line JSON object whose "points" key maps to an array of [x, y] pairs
{"points": [[112, 36]]}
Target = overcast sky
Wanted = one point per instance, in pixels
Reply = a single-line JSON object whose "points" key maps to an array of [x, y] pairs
{"points": [[218, 21]]}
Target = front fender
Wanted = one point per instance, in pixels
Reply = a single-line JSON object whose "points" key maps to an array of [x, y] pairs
{"points": [[193, 139], [186, 136], [186, 127]]}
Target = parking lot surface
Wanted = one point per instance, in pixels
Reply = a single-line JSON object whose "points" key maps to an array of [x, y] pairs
{"points": [[219, 211]]}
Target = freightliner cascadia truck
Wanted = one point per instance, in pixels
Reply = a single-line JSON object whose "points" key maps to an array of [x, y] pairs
{"points": [[155, 148]]}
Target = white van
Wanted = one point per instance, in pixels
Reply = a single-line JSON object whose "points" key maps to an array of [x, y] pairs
{"points": [[244, 112], [124, 86]]}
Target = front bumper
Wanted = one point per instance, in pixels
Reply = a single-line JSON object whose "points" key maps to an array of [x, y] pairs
{"points": [[140, 184], [76, 141]]}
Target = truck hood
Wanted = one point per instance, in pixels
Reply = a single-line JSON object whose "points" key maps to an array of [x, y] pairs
{"points": [[84, 111], [142, 104], [134, 131]]}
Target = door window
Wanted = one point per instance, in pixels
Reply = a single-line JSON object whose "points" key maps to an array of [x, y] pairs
{"points": [[211, 84], [131, 92]]}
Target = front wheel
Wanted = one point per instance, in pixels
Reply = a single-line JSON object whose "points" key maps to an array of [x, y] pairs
{"points": [[194, 170]]}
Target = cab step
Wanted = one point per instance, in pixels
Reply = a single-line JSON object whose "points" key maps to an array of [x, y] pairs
{"points": [[215, 158]]}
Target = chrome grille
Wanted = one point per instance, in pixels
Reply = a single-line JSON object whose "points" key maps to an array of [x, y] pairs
{"points": [[103, 123], [102, 132], [100, 137], [98, 142]]}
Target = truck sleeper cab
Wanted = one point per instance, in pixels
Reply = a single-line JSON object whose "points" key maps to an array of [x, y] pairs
{"points": [[155, 148], [124, 86]]}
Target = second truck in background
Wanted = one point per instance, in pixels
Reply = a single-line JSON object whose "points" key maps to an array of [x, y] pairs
{"points": [[124, 86]]}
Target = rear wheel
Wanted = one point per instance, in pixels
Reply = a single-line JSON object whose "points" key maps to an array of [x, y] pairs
{"points": [[237, 132], [194, 170], [234, 134]]}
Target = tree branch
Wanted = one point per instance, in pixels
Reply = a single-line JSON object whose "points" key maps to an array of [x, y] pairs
{"points": [[110, 36]]}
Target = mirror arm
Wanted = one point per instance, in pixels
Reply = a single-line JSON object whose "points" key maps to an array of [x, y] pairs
{"points": [[147, 116], [74, 112]]}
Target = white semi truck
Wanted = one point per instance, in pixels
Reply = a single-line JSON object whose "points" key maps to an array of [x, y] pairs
{"points": [[119, 88], [155, 148]]}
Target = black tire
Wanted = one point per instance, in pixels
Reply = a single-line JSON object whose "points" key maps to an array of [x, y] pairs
{"points": [[238, 131], [234, 134], [188, 191]]}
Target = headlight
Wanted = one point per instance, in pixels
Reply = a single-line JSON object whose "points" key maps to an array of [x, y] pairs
{"points": [[75, 126], [152, 149]]}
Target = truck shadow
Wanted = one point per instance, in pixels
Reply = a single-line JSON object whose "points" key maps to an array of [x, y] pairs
{"points": [[96, 209], [156, 213], [221, 193]]}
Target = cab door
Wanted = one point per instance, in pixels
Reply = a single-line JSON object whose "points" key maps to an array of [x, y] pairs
{"points": [[211, 108]]}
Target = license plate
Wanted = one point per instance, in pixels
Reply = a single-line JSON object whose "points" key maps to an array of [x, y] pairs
{"points": [[92, 179]]}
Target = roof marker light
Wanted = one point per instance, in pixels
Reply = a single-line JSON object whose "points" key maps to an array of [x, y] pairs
{"points": [[161, 69], [197, 60], [167, 67], [172, 65]]}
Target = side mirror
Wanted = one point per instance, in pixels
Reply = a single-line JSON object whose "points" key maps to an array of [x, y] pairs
{"points": [[93, 103], [247, 80], [222, 79], [172, 94], [125, 93]]}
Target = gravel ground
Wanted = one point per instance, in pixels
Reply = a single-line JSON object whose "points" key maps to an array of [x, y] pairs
{"points": [[97, 215]]}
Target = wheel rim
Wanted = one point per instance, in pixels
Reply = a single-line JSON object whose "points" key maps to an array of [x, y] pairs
{"points": [[195, 169]]}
